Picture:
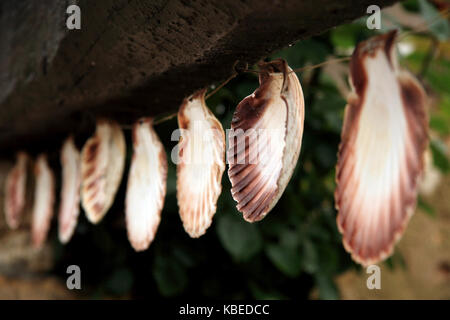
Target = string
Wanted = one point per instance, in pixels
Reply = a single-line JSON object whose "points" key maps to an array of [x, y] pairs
{"points": [[173, 115], [166, 118], [158, 121], [321, 64], [221, 85]]}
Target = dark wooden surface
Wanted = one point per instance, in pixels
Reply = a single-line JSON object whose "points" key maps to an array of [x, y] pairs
{"points": [[134, 57]]}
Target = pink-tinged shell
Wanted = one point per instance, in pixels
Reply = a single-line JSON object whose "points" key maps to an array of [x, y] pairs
{"points": [[201, 164], [44, 198], [102, 165], [69, 207], [381, 154], [265, 140], [15, 191], [146, 186]]}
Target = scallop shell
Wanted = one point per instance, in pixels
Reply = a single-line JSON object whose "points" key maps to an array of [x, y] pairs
{"points": [[265, 140], [69, 207], [201, 165], [102, 164], [44, 198], [381, 154], [15, 191], [146, 187]]}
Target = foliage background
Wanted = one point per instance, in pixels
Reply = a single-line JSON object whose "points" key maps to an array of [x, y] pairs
{"points": [[297, 247]]}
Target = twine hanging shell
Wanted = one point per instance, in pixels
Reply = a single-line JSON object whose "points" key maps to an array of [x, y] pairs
{"points": [[15, 191], [102, 164], [146, 187], [201, 164], [381, 154], [69, 207], [265, 140], [44, 198]]}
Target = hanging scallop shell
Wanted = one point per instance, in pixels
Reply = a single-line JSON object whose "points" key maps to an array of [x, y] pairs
{"points": [[44, 197], [381, 153], [102, 164], [15, 190], [69, 208], [146, 187], [201, 164], [265, 140]]}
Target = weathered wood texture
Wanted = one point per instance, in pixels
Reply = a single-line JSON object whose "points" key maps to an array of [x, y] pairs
{"points": [[134, 57]]}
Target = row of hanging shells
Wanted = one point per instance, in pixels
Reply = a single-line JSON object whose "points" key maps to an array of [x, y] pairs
{"points": [[380, 159]]}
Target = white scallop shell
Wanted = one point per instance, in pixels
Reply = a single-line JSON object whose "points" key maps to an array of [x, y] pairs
{"points": [[146, 187], [201, 166], [102, 164], [69, 207], [44, 198], [15, 191], [381, 154], [265, 140]]}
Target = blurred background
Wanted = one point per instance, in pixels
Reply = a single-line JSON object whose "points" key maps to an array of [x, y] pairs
{"points": [[296, 251]]}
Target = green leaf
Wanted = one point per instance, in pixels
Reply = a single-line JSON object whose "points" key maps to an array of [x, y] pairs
{"points": [[310, 257], [345, 36], [286, 255], [440, 159], [411, 5], [240, 238], [171, 179], [325, 155], [120, 282], [260, 293], [438, 25], [426, 207], [328, 259], [286, 259], [441, 125], [327, 288], [396, 260], [317, 231], [246, 87], [181, 254], [308, 50], [170, 276], [439, 76]]}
